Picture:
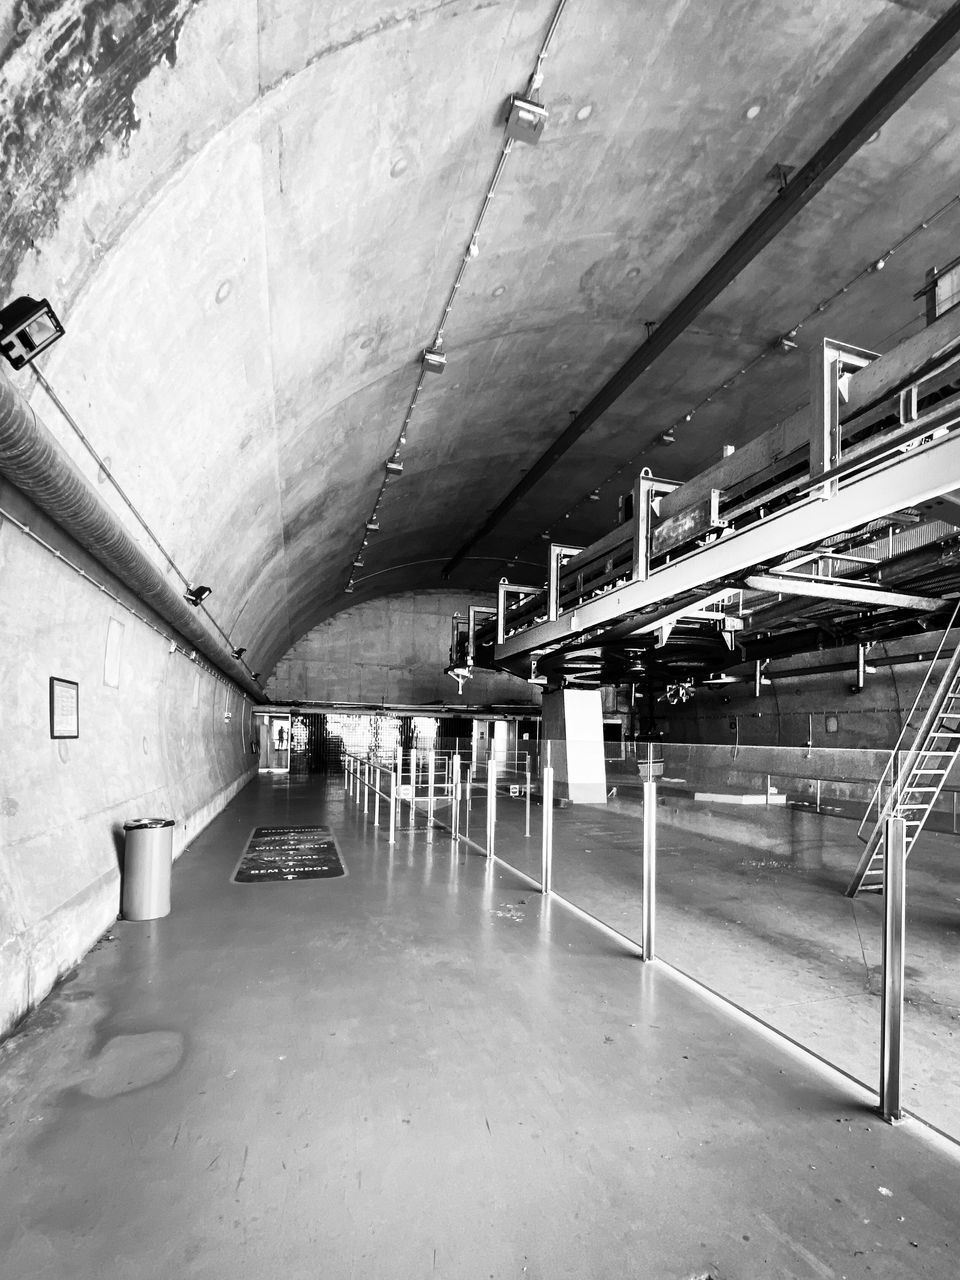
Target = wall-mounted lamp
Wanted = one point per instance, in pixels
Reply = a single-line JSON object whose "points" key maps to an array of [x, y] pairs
{"points": [[434, 360], [525, 119], [237, 653], [373, 526], [394, 467], [196, 595], [27, 327]]}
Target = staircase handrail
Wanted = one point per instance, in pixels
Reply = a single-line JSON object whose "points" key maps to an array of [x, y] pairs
{"points": [[911, 755]]}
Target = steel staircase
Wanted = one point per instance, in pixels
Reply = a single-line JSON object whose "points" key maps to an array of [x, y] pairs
{"points": [[914, 775]]}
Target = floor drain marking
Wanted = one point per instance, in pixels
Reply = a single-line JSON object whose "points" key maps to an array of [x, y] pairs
{"points": [[275, 854]]}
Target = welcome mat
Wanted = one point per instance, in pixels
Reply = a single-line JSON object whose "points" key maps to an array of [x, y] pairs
{"points": [[289, 853]]}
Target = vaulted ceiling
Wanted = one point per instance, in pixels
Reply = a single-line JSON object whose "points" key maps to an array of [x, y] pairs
{"points": [[250, 218]]}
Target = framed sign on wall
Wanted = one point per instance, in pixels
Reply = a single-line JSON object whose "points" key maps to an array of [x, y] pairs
{"points": [[64, 708]]}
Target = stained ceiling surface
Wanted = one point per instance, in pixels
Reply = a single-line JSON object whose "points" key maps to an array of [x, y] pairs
{"points": [[251, 217]]}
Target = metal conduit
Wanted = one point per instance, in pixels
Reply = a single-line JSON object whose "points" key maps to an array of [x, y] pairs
{"points": [[31, 459]]}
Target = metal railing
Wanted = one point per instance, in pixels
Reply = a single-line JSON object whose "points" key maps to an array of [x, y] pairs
{"points": [[900, 762]]}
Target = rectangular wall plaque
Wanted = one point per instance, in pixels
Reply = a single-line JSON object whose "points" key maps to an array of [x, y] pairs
{"points": [[64, 708]]}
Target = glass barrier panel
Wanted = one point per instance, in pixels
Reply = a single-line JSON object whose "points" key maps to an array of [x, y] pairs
{"points": [[931, 1022], [751, 899], [519, 814], [598, 833]]}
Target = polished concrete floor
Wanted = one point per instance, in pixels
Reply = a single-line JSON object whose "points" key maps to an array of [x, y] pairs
{"points": [[752, 904], [422, 1070]]}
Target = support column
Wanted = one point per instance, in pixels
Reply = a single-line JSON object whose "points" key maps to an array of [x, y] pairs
{"points": [[573, 721]]}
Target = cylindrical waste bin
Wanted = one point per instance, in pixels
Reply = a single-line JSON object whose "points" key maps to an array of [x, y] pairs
{"points": [[147, 862]]}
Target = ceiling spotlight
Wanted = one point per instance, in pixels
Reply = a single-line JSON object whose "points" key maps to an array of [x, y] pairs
{"points": [[879, 264], [348, 588], [474, 248], [434, 359], [196, 595], [358, 563], [667, 437], [372, 525], [545, 536], [27, 327], [254, 675], [394, 467], [525, 119], [786, 344], [237, 653], [595, 496]]}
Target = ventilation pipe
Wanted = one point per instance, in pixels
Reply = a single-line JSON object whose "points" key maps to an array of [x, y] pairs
{"points": [[31, 459]]}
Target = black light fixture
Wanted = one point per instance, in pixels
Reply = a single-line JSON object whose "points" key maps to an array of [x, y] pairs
{"points": [[348, 588], [358, 562], [525, 119], [27, 327], [434, 359], [238, 653], [254, 675], [373, 525], [394, 467], [196, 595]]}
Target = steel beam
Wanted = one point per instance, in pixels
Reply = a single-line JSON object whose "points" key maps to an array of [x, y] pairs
{"points": [[914, 477], [785, 585], [933, 49]]}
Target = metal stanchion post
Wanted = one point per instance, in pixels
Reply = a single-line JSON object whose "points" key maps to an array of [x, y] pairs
{"points": [[455, 780], [466, 819], [546, 843], [891, 1029], [366, 785], [394, 793], [649, 883], [526, 831], [491, 804], [431, 782], [413, 787], [376, 795]]}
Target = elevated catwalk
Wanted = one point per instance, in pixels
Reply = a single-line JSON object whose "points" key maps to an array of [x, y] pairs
{"points": [[415, 1071]]}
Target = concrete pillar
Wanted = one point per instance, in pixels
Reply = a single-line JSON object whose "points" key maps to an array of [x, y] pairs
{"points": [[573, 722]]}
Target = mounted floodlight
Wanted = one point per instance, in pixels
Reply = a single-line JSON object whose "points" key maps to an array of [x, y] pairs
{"points": [[196, 595], [373, 526], [27, 327], [434, 360], [667, 437], [394, 467], [254, 675], [525, 119], [348, 588], [237, 653], [358, 563]]}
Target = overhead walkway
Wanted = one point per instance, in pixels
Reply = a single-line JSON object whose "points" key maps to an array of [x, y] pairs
{"points": [[420, 1069], [839, 525]]}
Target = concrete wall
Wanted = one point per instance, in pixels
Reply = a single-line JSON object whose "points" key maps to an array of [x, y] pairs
{"points": [[392, 650], [809, 723], [153, 741]]}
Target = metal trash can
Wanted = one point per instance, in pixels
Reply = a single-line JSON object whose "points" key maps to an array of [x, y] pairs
{"points": [[147, 863]]}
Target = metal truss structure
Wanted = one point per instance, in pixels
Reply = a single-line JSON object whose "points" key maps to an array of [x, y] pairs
{"points": [[840, 525]]}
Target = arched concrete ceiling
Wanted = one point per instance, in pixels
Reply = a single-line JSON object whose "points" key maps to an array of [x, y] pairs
{"points": [[250, 216]]}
